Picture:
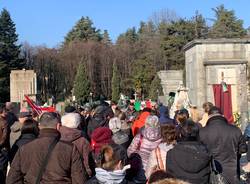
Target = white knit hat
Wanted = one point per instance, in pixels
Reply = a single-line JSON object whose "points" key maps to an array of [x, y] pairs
{"points": [[71, 120], [152, 121], [115, 124]]}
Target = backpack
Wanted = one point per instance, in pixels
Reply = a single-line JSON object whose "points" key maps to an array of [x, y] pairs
{"points": [[120, 137]]}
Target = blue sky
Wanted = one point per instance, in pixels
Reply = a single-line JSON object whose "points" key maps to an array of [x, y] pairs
{"points": [[46, 22]]}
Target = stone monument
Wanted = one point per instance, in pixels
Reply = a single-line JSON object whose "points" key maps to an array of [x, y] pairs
{"points": [[170, 80], [22, 82], [207, 60]]}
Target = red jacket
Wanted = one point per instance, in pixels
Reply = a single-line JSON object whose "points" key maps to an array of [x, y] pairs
{"points": [[139, 122]]}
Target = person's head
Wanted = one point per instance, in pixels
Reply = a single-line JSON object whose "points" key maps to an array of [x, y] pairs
{"points": [[30, 127], [69, 109], [214, 111], [117, 112], [3, 111], [49, 120], [99, 137], [168, 133], [112, 157], [122, 116], [189, 131], [131, 106], [113, 105], [195, 114], [146, 109], [24, 114], [9, 106], [158, 176], [181, 115], [86, 109], [71, 120], [152, 121], [207, 106], [171, 181]]}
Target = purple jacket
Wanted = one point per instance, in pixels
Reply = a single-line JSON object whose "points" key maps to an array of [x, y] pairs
{"points": [[151, 138]]}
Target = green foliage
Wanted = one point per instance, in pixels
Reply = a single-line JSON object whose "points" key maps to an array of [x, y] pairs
{"points": [[155, 89], [115, 84], [106, 39], [129, 36], [9, 53], [83, 31], [174, 37], [226, 25], [143, 73], [81, 84], [200, 27]]}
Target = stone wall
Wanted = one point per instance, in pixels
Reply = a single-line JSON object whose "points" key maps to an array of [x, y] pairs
{"points": [[170, 80], [205, 61], [22, 82]]}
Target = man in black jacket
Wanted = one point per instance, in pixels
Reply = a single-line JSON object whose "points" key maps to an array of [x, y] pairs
{"points": [[225, 143], [189, 160]]}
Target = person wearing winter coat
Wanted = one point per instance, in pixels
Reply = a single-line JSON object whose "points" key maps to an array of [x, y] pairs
{"points": [[140, 122], [69, 132], [164, 116], [15, 133], [29, 132], [157, 158], [4, 143], [111, 166], [147, 140], [225, 143], [119, 136], [64, 165], [100, 118], [100, 137], [189, 160]]}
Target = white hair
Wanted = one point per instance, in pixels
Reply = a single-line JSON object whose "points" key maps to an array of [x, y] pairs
{"points": [[71, 120]]}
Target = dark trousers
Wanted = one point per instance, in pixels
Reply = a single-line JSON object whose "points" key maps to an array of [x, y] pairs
{"points": [[3, 176]]}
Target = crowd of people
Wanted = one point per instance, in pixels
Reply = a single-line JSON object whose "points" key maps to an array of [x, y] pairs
{"points": [[107, 144]]}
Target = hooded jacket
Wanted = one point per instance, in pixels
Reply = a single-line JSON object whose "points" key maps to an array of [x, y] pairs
{"points": [[144, 143], [75, 137], [189, 161], [139, 122]]}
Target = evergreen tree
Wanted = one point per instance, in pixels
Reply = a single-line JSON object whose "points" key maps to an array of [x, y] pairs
{"points": [[226, 25], [81, 84], [9, 53], [84, 31], [142, 75], [129, 36], [155, 88], [115, 84], [173, 37], [201, 29], [106, 39]]}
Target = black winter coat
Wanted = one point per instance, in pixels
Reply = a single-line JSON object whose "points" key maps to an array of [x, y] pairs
{"points": [[23, 139], [189, 161], [224, 142]]}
